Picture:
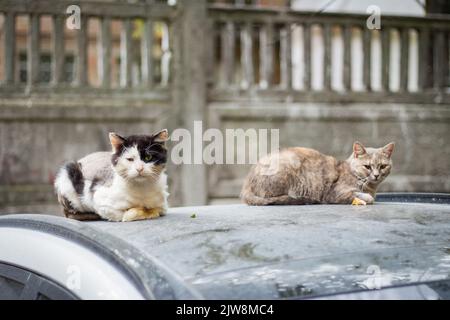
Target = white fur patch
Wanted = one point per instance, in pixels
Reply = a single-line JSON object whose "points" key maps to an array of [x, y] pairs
{"points": [[87, 198], [112, 202]]}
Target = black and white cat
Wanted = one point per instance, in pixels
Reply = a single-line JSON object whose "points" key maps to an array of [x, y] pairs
{"points": [[129, 184]]}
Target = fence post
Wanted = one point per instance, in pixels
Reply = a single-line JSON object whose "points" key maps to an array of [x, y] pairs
{"points": [[189, 87]]}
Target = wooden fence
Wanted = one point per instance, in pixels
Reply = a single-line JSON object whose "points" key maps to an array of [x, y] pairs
{"points": [[263, 64], [125, 14]]}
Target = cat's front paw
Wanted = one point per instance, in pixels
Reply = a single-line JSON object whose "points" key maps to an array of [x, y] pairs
{"points": [[365, 197], [358, 202], [154, 213], [135, 214]]}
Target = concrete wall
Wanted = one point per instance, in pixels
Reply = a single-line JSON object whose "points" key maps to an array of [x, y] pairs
{"points": [[421, 132], [35, 141], [388, 7]]}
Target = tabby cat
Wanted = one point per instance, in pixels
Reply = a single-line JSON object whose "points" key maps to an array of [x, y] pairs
{"points": [[305, 176], [126, 185]]}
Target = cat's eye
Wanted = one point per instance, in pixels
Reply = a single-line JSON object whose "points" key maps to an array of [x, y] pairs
{"points": [[148, 158], [130, 159], [383, 166], [367, 167]]}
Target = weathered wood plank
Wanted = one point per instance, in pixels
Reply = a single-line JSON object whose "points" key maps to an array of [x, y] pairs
{"points": [[281, 15], [146, 54], [104, 57], [211, 52], [307, 56], [166, 54], [312, 96], [286, 56], [246, 56], [173, 47], [367, 57], [33, 50], [81, 59], [404, 59], [57, 49], [347, 72], [385, 58], [192, 96], [227, 52], [440, 60], [113, 9], [326, 30], [266, 44], [424, 59], [446, 58], [9, 47], [125, 53]]}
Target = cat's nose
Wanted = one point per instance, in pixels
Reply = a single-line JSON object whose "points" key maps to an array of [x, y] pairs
{"points": [[140, 169]]}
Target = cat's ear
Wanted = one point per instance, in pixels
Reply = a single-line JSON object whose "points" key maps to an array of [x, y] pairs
{"points": [[161, 136], [358, 149], [116, 141], [389, 149]]}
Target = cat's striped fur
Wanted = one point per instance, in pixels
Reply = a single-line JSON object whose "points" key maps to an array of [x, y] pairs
{"points": [[305, 176]]}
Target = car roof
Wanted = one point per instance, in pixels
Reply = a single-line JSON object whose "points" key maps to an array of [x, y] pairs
{"points": [[239, 251]]}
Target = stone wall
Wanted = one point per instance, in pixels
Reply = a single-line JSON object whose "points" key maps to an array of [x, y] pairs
{"points": [[421, 132], [36, 141]]}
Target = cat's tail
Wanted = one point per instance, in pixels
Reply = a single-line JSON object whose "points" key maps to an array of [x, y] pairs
{"points": [[69, 187], [253, 200]]}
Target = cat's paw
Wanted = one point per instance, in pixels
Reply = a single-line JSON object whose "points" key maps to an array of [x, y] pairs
{"points": [[135, 214], [162, 211], [154, 213], [358, 202], [367, 198]]}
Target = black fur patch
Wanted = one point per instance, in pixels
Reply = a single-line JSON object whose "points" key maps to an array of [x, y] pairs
{"points": [[115, 157], [75, 176], [146, 146], [83, 216], [94, 184]]}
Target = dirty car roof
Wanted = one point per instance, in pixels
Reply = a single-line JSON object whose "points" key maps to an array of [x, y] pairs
{"points": [[243, 252], [237, 251]]}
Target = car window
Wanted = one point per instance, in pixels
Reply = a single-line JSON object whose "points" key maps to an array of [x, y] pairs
{"points": [[18, 283]]}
